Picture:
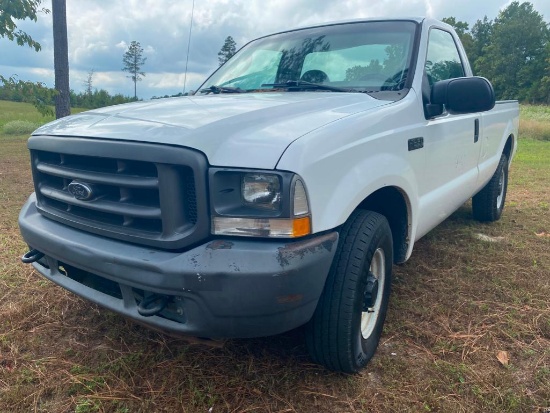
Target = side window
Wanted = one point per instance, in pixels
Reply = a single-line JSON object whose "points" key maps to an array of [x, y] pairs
{"points": [[443, 61]]}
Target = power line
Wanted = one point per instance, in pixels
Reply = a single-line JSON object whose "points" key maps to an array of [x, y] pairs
{"points": [[188, 46]]}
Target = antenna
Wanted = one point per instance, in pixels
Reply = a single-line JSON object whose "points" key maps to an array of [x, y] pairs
{"points": [[188, 46]]}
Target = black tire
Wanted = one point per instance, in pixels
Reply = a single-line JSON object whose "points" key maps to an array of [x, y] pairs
{"points": [[334, 334], [488, 204]]}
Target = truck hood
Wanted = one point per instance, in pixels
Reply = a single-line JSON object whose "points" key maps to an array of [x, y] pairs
{"points": [[244, 130]]}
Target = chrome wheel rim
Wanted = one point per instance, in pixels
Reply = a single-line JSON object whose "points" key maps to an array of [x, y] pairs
{"points": [[500, 196], [378, 270]]}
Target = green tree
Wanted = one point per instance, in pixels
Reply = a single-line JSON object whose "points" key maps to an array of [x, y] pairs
{"points": [[462, 29], [544, 91], [481, 33], [11, 10], [228, 49], [133, 60], [515, 58]]}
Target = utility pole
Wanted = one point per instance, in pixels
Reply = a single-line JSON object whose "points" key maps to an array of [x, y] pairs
{"points": [[61, 58]]}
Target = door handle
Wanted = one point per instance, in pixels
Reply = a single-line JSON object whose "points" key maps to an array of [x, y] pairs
{"points": [[476, 130]]}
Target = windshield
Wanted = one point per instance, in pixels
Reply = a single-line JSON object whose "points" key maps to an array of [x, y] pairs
{"points": [[367, 56]]}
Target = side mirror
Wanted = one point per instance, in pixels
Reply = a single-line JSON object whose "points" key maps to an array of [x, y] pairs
{"points": [[464, 94]]}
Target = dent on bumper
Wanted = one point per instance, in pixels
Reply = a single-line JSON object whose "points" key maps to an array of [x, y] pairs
{"points": [[223, 288]]}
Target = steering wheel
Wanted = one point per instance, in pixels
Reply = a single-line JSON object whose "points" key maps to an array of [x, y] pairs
{"points": [[395, 81]]}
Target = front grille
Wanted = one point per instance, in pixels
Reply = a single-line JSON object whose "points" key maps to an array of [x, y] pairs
{"points": [[138, 192]]}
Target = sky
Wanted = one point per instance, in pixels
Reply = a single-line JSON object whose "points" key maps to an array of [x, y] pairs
{"points": [[100, 31]]}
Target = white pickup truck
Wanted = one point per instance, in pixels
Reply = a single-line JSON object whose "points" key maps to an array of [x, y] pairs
{"points": [[281, 193]]}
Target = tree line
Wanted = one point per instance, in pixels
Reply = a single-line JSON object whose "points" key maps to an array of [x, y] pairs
{"points": [[43, 97], [512, 51]]}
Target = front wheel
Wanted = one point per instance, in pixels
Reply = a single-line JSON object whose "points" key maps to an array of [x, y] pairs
{"points": [[345, 330], [487, 204]]}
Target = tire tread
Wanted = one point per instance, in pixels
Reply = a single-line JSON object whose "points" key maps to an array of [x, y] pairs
{"points": [[325, 334], [484, 207]]}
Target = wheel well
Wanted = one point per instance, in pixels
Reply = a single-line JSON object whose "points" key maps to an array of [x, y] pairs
{"points": [[508, 147], [392, 203]]}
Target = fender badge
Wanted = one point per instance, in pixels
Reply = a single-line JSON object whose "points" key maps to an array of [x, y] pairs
{"points": [[81, 190]]}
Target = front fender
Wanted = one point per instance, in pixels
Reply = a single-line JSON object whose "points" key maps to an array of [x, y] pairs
{"points": [[346, 161]]}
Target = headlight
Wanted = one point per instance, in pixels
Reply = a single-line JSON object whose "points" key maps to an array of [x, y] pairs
{"points": [[262, 190], [258, 204]]}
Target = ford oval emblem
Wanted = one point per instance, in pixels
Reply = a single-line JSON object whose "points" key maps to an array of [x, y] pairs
{"points": [[81, 190]]}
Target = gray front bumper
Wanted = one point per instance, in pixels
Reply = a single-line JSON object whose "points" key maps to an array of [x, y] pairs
{"points": [[223, 288]]}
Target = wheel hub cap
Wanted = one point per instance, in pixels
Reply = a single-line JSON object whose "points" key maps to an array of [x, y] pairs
{"points": [[500, 195], [376, 278], [371, 292]]}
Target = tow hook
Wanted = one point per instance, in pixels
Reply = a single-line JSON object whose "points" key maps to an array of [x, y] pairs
{"points": [[32, 256], [152, 305]]}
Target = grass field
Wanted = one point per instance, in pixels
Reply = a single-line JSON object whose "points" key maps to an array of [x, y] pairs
{"points": [[458, 306], [535, 121]]}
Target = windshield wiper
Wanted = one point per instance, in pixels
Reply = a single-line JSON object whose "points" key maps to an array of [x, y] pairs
{"points": [[222, 89], [302, 84]]}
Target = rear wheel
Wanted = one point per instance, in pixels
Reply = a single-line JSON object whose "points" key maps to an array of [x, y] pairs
{"points": [[345, 330], [487, 204]]}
